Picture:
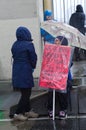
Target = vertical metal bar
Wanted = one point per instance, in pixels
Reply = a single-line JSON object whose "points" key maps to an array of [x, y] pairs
{"points": [[64, 9], [55, 9], [60, 11]]}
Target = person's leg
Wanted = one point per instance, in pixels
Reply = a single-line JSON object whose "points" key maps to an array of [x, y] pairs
{"points": [[63, 101], [50, 103], [69, 88], [50, 100], [77, 54], [84, 54], [24, 103], [26, 99], [63, 104], [23, 108]]}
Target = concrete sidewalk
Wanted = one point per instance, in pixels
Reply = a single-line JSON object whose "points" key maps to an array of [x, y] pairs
{"points": [[9, 98], [76, 118]]}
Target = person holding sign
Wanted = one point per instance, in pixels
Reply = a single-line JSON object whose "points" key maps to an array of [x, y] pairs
{"points": [[63, 94]]}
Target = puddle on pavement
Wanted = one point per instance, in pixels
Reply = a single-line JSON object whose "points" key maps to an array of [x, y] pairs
{"points": [[81, 81], [68, 124]]}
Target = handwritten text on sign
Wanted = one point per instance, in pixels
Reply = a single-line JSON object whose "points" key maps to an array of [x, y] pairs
{"points": [[55, 66]]}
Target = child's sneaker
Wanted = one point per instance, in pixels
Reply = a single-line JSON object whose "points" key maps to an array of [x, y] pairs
{"points": [[50, 114], [62, 115]]}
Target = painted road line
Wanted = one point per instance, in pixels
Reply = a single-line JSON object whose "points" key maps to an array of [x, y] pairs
{"points": [[47, 118], [6, 120]]}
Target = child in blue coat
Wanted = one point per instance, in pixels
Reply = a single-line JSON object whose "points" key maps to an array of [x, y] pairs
{"points": [[47, 37]]}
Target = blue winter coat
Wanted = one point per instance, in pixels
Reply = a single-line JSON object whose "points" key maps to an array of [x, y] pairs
{"points": [[24, 59], [47, 37]]}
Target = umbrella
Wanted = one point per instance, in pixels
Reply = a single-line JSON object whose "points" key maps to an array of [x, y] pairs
{"points": [[75, 38]]}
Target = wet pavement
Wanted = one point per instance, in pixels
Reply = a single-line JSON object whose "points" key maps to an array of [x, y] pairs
{"points": [[76, 117], [45, 124]]}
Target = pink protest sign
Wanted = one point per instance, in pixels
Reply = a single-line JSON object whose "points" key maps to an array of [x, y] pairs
{"points": [[55, 66]]}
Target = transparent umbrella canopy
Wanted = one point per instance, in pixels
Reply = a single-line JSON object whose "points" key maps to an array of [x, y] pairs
{"points": [[75, 38]]}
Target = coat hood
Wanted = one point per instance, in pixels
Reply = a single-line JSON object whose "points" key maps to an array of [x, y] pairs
{"points": [[79, 8], [63, 40], [22, 33], [47, 13]]}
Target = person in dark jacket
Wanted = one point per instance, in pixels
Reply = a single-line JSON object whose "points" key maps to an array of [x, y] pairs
{"points": [[24, 61], [61, 95], [77, 20]]}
